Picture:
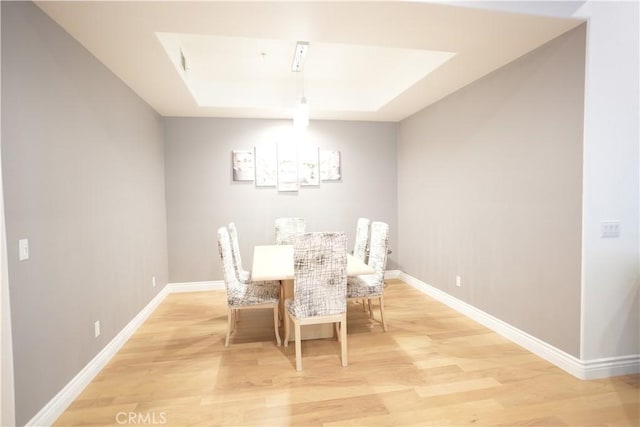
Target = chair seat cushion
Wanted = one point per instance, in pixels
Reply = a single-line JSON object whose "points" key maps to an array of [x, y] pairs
{"points": [[363, 286], [254, 293], [326, 307]]}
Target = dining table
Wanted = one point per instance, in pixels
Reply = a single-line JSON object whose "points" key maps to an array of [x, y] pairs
{"points": [[275, 262]]}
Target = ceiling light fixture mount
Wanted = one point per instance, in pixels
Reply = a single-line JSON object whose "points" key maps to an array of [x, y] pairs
{"points": [[298, 56]]}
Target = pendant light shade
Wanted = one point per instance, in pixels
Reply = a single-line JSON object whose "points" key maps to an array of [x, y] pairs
{"points": [[301, 114]]}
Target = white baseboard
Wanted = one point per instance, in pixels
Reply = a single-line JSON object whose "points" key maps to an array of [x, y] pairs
{"points": [[392, 274], [56, 406], [583, 369], [215, 285], [611, 366]]}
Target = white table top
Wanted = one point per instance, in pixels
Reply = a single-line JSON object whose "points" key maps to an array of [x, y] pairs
{"points": [[275, 262]]}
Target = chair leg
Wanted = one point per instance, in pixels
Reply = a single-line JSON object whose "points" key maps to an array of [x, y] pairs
{"points": [[229, 322], [343, 340], [234, 319], [337, 330], [298, 347], [370, 311], [281, 304], [364, 304], [286, 329], [384, 322], [275, 324]]}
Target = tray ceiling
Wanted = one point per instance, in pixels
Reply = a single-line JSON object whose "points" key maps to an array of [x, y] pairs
{"points": [[366, 60]]}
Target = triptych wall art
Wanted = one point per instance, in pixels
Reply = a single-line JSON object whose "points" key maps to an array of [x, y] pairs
{"points": [[286, 166]]}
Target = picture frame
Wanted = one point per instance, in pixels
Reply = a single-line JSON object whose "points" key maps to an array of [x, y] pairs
{"points": [[266, 165], [287, 167], [243, 168], [308, 166], [330, 166]]}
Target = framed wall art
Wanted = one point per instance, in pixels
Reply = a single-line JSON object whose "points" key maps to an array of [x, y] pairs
{"points": [[330, 165], [308, 166], [287, 167], [243, 166], [266, 158]]}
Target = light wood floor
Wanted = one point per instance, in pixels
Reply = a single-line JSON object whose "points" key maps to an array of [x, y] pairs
{"points": [[433, 367]]}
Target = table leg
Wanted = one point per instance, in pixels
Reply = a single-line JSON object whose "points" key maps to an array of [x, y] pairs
{"points": [[286, 292]]}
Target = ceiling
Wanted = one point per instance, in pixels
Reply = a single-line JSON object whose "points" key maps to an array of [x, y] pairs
{"points": [[381, 60]]}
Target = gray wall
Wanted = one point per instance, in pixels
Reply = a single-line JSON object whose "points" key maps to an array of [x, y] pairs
{"points": [[201, 195], [82, 163], [490, 188]]}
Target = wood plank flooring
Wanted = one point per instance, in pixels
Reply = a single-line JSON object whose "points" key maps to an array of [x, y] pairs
{"points": [[434, 367]]}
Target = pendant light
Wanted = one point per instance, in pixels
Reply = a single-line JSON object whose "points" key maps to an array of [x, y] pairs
{"points": [[301, 113]]}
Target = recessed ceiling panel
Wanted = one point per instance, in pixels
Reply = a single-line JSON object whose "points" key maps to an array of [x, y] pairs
{"points": [[242, 72]]}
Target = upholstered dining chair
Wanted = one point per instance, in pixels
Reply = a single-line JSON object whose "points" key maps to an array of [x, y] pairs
{"points": [[288, 228], [320, 287], [362, 239], [243, 275], [370, 286], [361, 245], [244, 295]]}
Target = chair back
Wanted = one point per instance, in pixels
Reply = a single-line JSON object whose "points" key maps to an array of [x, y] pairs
{"points": [[378, 249], [235, 249], [288, 228], [320, 268], [362, 239], [231, 282]]}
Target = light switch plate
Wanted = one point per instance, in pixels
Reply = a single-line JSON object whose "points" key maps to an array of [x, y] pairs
{"points": [[610, 229], [23, 249]]}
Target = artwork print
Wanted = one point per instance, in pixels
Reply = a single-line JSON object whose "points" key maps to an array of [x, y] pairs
{"points": [[243, 166], [329, 165], [266, 165], [287, 167], [308, 166]]}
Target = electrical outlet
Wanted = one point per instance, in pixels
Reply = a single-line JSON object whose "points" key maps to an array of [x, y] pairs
{"points": [[458, 281], [153, 281], [96, 328]]}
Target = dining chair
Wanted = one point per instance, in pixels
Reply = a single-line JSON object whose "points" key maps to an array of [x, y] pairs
{"points": [[244, 295], [320, 287], [243, 275], [362, 239], [288, 228], [370, 286], [361, 245]]}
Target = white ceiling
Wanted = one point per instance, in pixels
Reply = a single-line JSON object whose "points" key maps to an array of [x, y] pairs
{"points": [[381, 60]]}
